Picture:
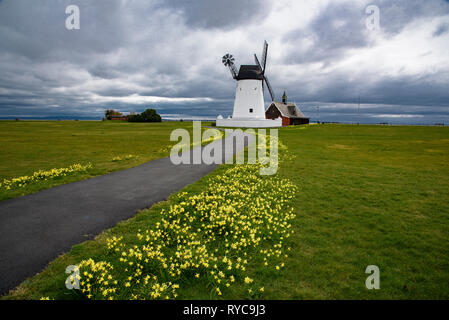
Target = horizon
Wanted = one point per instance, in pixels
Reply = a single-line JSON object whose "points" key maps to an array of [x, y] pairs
{"points": [[345, 114]]}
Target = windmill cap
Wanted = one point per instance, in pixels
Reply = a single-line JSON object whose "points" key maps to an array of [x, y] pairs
{"points": [[250, 72]]}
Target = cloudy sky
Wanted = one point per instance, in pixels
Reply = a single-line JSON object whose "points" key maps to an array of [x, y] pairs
{"points": [[132, 54]]}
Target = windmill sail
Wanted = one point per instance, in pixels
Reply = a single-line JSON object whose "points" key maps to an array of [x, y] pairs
{"points": [[257, 62], [270, 89], [264, 56], [229, 61], [233, 70]]}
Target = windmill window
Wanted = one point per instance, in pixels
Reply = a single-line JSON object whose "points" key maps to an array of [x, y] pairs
{"points": [[251, 110]]}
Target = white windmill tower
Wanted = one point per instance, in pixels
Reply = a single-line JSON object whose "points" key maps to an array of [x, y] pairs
{"points": [[249, 105]]}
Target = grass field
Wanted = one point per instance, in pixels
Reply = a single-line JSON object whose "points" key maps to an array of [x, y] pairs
{"points": [[368, 195], [30, 146]]}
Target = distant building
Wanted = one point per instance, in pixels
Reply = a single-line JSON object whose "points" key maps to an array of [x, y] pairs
{"points": [[289, 112], [119, 118]]}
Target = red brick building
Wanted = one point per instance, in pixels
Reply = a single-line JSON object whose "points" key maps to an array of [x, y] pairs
{"points": [[289, 112]]}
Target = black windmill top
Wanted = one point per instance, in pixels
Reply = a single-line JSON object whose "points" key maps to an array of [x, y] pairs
{"points": [[250, 72]]}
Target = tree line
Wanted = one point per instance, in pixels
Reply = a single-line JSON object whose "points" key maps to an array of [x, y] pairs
{"points": [[149, 115]]}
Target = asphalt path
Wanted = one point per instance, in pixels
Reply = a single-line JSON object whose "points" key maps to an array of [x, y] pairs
{"points": [[37, 228]]}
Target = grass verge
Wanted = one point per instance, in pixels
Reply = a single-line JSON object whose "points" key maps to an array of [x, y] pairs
{"points": [[32, 146]]}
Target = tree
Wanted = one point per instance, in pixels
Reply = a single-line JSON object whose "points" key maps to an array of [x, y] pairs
{"points": [[149, 115]]}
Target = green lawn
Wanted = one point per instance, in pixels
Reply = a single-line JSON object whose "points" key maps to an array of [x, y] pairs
{"points": [[368, 195], [30, 146]]}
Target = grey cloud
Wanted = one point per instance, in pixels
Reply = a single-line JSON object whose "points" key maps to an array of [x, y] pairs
{"points": [[395, 15], [341, 26], [219, 14], [157, 48], [442, 29], [337, 28], [36, 30], [403, 90]]}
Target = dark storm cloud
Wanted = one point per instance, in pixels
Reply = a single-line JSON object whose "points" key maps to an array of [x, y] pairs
{"points": [[131, 54], [395, 15], [341, 26], [398, 90], [338, 27], [219, 14], [36, 30]]}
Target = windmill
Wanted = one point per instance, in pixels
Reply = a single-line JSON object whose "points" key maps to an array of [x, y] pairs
{"points": [[251, 80]]}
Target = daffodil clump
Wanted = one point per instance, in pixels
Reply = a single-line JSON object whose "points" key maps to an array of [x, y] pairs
{"points": [[241, 219], [95, 279], [124, 158], [43, 176]]}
